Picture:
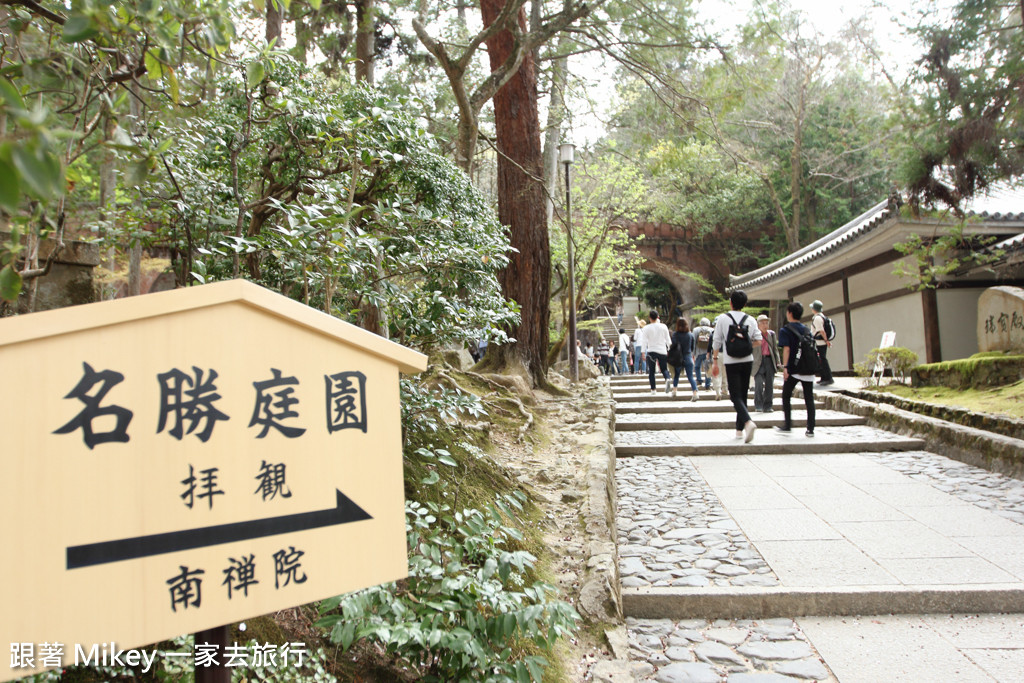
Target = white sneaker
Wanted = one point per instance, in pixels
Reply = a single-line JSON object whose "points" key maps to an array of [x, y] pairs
{"points": [[673, 392], [739, 433], [694, 396], [748, 431], [668, 386], [654, 392]]}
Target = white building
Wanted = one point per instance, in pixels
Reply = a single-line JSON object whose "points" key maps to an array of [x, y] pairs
{"points": [[851, 270]]}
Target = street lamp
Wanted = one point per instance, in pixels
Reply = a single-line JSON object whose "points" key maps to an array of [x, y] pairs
{"points": [[566, 154]]}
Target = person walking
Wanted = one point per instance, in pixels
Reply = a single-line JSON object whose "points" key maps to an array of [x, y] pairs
{"points": [[766, 363], [823, 343], [602, 356], [717, 377], [735, 335], [682, 351], [656, 343], [790, 337], [624, 347], [638, 348], [703, 334]]}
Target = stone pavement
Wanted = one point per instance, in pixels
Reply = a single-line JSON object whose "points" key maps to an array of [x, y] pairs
{"points": [[751, 562]]}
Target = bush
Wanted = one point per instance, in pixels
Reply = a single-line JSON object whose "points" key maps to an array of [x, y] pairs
{"points": [[896, 359], [466, 612]]}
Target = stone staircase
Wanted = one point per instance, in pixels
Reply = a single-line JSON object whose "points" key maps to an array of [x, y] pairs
{"points": [[789, 525]]}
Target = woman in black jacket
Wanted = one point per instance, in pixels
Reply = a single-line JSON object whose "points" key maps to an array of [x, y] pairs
{"points": [[682, 339]]}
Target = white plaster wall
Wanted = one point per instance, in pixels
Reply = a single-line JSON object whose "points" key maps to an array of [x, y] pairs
{"points": [[831, 296], [904, 315], [839, 354], [958, 322], [879, 280]]}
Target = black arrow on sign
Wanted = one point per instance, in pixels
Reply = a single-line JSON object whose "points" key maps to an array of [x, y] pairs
{"points": [[158, 544]]}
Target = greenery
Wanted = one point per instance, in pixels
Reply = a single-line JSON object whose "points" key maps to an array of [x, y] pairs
{"points": [[1001, 400], [898, 360], [467, 612], [965, 126], [935, 259]]}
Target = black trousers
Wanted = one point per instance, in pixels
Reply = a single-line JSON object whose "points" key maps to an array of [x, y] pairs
{"points": [[659, 360], [737, 376], [787, 397], [823, 368]]}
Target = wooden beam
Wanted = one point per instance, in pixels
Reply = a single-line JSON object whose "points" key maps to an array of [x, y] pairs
{"points": [[932, 344], [849, 322]]}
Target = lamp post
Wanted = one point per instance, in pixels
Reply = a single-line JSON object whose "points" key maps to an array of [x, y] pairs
{"points": [[566, 153]]}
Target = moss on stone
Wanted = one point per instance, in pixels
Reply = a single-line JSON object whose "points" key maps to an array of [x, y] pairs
{"points": [[982, 370]]}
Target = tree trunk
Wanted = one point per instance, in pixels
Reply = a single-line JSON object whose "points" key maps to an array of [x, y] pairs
{"points": [[556, 114], [366, 23], [275, 20], [527, 279], [796, 172]]}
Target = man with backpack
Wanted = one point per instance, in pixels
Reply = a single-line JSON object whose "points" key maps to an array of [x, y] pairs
{"points": [[703, 334], [799, 363], [656, 342], [824, 331], [735, 334]]}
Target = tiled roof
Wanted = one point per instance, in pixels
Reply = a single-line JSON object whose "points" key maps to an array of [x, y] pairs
{"points": [[1003, 202], [861, 225]]}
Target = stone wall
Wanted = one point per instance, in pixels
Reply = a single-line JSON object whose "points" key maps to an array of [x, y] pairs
{"points": [[70, 280]]}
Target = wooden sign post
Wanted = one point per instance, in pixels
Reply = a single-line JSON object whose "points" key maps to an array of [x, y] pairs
{"points": [[179, 461]]}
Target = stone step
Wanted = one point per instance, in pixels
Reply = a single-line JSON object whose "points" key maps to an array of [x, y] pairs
{"points": [[697, 442], [645, 396], [662, 404], [778, 601], [632, 422]]}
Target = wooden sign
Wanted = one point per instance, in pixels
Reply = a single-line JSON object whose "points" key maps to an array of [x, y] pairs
{"points": [[182, 460]]}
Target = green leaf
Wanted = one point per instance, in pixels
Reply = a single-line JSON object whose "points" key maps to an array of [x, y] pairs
{"points": [[10, 95], [254, 73], [10, 283], [10, 187], [154, 66], [77, 28], [315, 4], [172, 85], [40, 171]]}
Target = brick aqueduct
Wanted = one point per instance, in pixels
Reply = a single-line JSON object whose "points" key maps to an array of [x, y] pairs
{"points": [[671, 250]]}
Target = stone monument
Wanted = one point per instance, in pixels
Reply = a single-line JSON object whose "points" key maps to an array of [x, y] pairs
{"points": [[1001, 319]]}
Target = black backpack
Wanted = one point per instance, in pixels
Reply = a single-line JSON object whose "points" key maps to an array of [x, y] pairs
{"points": [[828, 327], [737, 339], [805, 362]]}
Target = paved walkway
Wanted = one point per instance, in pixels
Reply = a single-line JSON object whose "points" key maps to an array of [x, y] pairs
{"points": [[750, 562]]}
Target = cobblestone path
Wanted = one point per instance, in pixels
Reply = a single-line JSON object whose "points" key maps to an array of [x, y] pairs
{"points": [[822, 518]]}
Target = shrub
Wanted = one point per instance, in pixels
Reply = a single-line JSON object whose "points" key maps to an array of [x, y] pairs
{"points": [[896, 359], [467, 612]]}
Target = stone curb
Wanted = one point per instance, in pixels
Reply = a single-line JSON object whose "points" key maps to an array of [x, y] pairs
{"points": [[796, 447], [988, 422], [773, 602], [994, 452], [600, 592]]}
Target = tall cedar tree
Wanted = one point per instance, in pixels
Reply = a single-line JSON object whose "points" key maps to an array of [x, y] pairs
{"points": [[527, 279]]}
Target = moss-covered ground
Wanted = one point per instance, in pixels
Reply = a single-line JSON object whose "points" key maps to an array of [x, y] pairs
{"points": [[1005, 400]]}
